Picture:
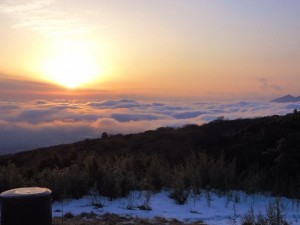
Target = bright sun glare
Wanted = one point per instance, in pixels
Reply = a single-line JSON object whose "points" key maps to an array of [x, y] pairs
{"points": [[71, 66]]}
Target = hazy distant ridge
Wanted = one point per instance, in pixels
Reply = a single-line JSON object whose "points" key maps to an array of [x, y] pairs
{"points": [[287, 98]]}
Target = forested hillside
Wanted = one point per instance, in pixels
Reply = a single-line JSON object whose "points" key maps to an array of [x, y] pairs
{"points": [[255, 155]]}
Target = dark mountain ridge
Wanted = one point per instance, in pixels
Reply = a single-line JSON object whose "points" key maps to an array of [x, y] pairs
{"points": [[234, 137], [259, 154]]}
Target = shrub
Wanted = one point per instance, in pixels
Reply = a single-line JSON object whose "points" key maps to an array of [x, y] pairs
{"points": [[274, 216], [68, 215]]}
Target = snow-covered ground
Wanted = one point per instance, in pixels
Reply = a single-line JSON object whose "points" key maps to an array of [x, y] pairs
{"points": [[210, 207]]}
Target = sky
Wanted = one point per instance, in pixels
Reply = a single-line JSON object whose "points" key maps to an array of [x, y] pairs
{"points": [[192, 49], [72, 69]]}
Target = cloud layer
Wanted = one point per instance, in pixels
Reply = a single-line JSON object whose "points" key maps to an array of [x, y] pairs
{"points": [[42, 123]]}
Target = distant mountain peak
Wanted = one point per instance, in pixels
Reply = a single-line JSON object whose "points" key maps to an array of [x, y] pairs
{"points": [[287, 98]]}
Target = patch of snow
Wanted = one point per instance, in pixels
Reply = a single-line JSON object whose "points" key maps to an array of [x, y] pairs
{"points": [[197, 208]]}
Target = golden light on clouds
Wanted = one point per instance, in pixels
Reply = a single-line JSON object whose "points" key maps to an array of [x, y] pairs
{"points": [[71, 64]]}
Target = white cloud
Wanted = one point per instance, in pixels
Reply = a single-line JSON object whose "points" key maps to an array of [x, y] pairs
{"points": [[188, 114], [43, 16], [43, 123], [126, 117], [23, 6], [265, 84], [123, 103]]}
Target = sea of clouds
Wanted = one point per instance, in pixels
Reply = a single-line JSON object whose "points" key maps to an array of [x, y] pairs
{"points": [[39, 123]]}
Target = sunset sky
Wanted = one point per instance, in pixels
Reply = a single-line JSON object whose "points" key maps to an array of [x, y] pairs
{"points": [[72, 69], [192, 49]]}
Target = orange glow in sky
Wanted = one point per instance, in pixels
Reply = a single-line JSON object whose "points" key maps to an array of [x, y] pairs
{"points": [[154, 48], [71, 65]]}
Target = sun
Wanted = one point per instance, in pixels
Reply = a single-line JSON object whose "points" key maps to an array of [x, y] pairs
{"points": [[71, 67]]}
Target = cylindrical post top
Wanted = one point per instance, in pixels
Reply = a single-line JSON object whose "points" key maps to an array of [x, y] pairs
{"points": [[27, 192], [26, 206]]}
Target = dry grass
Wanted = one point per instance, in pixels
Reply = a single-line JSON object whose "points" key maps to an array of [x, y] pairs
{"points": [[113, 219]]}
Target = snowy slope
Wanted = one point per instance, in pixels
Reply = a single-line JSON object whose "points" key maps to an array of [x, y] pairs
{"points": [[217, 212]]}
